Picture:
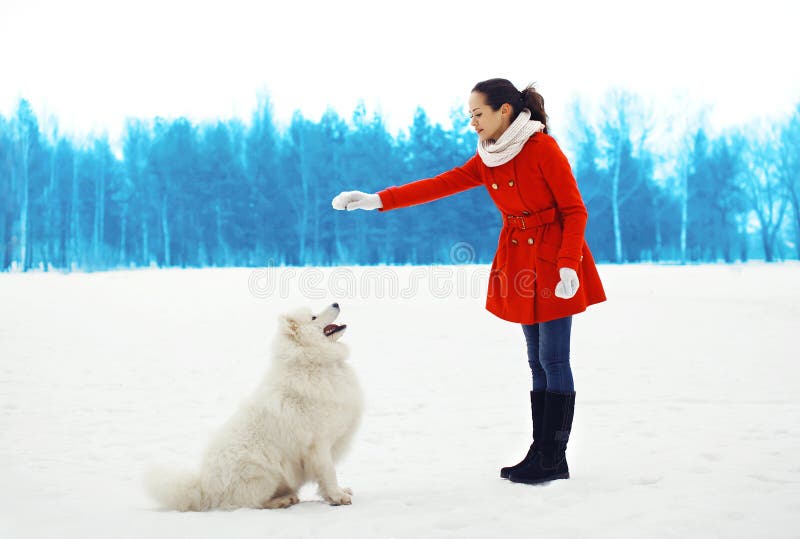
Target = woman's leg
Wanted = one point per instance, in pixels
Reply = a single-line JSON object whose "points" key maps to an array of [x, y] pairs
{"points": [[550, 460], [537, 397], [553, 356], [531, 332]]}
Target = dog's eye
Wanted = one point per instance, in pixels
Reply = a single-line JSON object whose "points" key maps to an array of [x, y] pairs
{"points": [[313, 318]]}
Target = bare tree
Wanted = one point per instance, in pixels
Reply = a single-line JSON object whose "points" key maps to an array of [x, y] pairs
{"points": [[7, 198], [26, 132], [74, 216], [140, 192], [626, 129], [98, 229], [765, 191], [788, 167], [300, 201], [689, 128]]}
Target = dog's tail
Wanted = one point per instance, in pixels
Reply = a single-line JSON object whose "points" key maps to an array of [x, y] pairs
{"points": [[177, 490]]}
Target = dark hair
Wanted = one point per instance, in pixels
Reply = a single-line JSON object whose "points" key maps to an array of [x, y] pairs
{"points": [[499, 91]]}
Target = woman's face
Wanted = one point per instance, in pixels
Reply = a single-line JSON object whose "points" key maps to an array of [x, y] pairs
{"points": [[488, 123]]}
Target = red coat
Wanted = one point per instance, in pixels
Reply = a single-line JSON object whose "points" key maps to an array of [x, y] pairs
{"points": [[543, 222]]}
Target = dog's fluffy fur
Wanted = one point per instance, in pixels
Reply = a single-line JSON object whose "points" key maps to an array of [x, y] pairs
{"points": [[292, 430]]}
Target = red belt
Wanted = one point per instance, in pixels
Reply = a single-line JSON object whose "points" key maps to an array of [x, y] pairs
{"points": [[532, 220]]}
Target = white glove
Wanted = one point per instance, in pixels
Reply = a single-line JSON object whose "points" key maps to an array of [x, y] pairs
{"points": [[356, 200], [568, 285]]}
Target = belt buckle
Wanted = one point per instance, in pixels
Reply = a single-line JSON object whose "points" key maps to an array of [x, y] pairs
{"points": [[520, 220]]}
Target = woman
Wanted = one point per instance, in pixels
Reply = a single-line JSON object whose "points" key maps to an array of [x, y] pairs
{"points": [[543, 272]]}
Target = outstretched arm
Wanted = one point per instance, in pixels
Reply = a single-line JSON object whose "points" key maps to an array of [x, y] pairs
{"points": [[445, 184]]}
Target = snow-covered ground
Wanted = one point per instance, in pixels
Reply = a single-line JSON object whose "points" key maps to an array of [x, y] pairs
{"points": [[686, 422]]}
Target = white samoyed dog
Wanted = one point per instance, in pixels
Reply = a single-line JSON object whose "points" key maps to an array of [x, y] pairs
{"points": [[293, 429]]}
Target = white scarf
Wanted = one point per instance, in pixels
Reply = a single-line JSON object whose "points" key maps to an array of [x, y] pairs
{"points": [[510, 143]]}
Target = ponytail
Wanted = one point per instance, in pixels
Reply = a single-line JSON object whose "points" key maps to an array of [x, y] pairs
{"points": [[534, 102]]}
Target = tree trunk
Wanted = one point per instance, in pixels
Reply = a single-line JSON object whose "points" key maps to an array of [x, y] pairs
{"points": [[165, 230], [5, 235], [767, 244], [74, 217], [99, 211], [796, 208], [123, 232], [684, 212], [658, 247], [145, 241], [51, 245], [24, 246], [725, 233], [615, 202], [302, 227], [221, 248]]}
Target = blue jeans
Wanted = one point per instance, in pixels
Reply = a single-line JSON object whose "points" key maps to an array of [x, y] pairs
{"points": [[548, 354]]}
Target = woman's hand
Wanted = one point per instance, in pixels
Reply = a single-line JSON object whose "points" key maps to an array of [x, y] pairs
{"points": [[568, 285], [356, 200]]}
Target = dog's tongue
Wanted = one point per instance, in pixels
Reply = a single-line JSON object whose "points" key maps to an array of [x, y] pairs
{"points": [[333, 328]]}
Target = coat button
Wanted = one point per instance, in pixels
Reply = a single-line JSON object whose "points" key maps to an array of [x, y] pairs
{"points": [[581, 258], [514, 242], [530, 241], [511, 183], [494, 186]]}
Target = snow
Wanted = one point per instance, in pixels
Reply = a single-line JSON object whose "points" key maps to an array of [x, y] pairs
{"points": [[685, 424]]}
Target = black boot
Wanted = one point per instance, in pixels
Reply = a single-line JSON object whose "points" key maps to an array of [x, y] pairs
{"points": [[550, 460], [537, 415]]}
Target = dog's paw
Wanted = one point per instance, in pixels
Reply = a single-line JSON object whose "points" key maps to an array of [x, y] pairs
{"points": [[282, 502], [348, 490], [340, 497]]}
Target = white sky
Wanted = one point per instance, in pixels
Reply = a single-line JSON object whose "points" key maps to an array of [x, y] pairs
{"points": [[93, 63]]}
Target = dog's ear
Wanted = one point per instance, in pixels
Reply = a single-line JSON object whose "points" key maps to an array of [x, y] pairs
{"points": [[288, 326]]}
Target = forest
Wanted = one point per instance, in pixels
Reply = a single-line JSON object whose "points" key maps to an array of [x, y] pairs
{"points": [[248, 193]]}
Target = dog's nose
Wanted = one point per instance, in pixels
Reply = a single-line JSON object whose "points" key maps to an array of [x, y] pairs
{"points": [[336, 305]]}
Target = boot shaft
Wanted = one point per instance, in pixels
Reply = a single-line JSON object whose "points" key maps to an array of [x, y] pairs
{"points": [[559, 410], [537, 414]]}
